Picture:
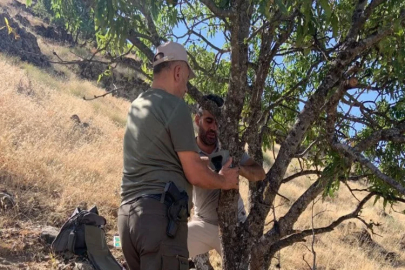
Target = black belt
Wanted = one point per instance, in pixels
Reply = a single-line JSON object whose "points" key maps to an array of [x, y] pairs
{"points": [[177, 206], [167, 200]]}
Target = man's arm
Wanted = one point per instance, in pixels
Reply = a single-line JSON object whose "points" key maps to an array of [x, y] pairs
{"points": [[252, 171], [198, 173]]}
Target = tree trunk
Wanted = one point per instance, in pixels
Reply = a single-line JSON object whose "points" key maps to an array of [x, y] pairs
{"points": [[233, 241]]}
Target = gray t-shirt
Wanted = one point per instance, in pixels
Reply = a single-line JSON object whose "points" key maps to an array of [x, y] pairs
{"points": [[159, 125], [206, 200]]}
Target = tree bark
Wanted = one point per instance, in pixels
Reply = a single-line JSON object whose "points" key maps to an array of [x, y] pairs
{"points": [[233, 251]]}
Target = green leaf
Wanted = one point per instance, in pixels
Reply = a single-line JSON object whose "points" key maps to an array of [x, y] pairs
{"points": [[281, 6], [385, 203], [376, 199], [28, 3], [334, 20], [300, 35], [266, 8], [326, 7]]}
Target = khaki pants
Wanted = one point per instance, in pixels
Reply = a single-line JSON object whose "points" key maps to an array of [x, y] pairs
{"points": [[142, 229], [202, 237]]}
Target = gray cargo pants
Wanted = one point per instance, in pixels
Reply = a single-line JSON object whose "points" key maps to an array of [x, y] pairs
{"points": [[142, 229]]}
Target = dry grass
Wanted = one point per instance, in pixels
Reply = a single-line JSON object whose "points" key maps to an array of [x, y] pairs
{"points": [[333, 252], [47, 160]]}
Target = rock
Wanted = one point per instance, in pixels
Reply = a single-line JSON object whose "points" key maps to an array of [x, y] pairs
{"points": [[201, 261], [6, 201], [57, 34], [5, 262], [63, 266], [75, 118], [20, 42], [83, 266], [49, 233], [24, 21], [21, 6]]}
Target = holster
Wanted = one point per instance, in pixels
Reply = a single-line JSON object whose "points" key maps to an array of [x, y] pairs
{"points": [[177, 207]]}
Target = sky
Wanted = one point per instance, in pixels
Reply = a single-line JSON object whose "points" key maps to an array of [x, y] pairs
{"points": [[218, 40]]}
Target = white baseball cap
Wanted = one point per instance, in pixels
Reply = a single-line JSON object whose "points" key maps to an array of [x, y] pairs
{"points": [[173, 51]]}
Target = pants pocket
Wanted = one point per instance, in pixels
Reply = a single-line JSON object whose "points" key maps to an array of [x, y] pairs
{"points": [[174, 262], [174, 258]]}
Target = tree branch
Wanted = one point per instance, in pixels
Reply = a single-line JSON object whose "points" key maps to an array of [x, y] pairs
{"points": [[365, 86], [303, 153], [299, 237], [154, 38], [103, 95], [301, 173], [288, 220], [358, 177], [392, 134], [353, 155], [366, 111], [134, 39], [315, 104], [359, 17], [208, 42], [222, 13], [140, 35]]}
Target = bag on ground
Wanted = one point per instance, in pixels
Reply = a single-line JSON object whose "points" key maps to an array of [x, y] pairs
{"points": [[83, 234]]}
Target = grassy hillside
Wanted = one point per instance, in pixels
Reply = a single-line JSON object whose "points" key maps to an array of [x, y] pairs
{"points": [[44, 148], [48, 161]]}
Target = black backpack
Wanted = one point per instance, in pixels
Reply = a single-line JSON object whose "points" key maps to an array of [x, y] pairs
{"points": [[83, 234]]}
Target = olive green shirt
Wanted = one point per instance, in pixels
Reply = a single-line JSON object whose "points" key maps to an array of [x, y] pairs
{"points": [[159, 125]]}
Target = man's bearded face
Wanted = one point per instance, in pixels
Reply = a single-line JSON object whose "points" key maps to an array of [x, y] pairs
{"points": [[207, 128]]}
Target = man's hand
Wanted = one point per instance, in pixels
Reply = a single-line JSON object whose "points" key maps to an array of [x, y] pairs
{"points": [[252, 171], [206, 161], [199, 174], [231, 175]]}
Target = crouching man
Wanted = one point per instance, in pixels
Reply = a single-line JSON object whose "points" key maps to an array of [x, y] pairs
{"points": [[203, 230]]}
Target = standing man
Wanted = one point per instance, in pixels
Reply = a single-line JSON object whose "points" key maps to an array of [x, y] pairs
{"points": [[203, 228], [161, 163]]}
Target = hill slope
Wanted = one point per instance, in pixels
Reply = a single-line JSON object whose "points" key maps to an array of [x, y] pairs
{"points": [[49, 161]]}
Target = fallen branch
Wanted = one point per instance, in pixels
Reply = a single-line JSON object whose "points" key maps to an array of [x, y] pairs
{"points": [[103, 95]]}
